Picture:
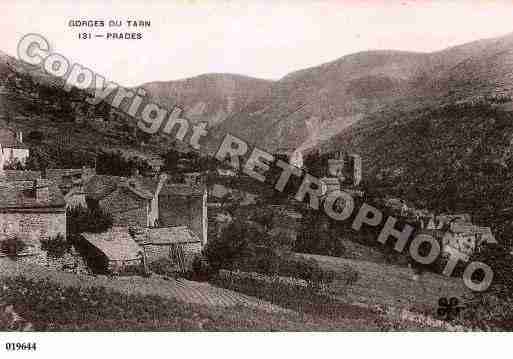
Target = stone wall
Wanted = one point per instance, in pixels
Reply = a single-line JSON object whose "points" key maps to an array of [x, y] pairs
{"points": [[155, 252], [182, 211], [71, 262], [136, 217], [31, 227]]}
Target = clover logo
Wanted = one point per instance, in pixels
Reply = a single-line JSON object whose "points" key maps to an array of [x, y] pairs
{"points": [[449, 309]]}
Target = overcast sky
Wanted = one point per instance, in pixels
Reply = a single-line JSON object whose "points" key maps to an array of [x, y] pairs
{"points": [[265, 39]]}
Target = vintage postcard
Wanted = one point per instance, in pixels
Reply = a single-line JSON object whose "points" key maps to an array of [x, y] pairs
{"points": [[262, 166]]}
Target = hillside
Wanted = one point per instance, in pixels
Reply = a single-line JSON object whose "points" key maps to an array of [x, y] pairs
{"points": [[211, 97], [434, 128], [310, 106]]}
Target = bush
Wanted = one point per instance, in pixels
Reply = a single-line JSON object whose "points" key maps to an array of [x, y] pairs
{"points": [[163, 266], [94, 220], [246, 247], [56, 246], [291, 293], [237, 244], [307, 269], [53, 307]]}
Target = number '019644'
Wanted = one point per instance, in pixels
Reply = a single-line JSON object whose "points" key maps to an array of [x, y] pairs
{"points": [[11, 346]]}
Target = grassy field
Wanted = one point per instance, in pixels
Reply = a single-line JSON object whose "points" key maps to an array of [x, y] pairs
{"points": [[56, 301], [391, 285]]}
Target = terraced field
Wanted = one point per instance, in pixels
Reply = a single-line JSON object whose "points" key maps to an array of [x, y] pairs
{"points": [[180, 289]]}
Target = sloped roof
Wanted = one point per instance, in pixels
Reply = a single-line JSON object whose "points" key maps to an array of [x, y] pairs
{"points": [[135, 186], [20, 194], [116, 244], [56, 174], [17, 175], [171, 235], [122, 199], [170, 188], [182, 189], [99, 186]]}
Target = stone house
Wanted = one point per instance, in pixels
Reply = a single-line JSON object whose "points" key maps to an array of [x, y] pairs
{"points": [[129, 205], [179, 244], [31, 211], [184, 205], [467, 238], [147, 202], [112, 251]]}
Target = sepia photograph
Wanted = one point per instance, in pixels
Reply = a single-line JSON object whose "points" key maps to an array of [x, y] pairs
{"points": [[255, 166]]}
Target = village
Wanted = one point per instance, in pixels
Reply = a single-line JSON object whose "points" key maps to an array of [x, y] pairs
{"points": [[161, 217], [148, 215]]}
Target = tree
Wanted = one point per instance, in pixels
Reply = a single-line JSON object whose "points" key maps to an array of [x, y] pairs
{"points": [[80, 219]]}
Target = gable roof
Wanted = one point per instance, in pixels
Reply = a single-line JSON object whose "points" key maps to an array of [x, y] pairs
{"points": [[20, 195], [123, 199], [150, 184], [116, 244], [170, 235], [99, 186], [182, 189], [137, 188]]}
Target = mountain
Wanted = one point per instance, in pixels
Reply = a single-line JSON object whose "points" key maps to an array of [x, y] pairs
{"points": [[211, 97], [447, 145], [307, 107]]}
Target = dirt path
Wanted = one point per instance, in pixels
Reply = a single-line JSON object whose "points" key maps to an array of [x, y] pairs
{"points": [[181, 289]]}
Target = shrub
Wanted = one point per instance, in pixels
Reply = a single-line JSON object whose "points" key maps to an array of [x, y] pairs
{"points": [[246, 247], [130, 270], [307, 269], [238, 243], [291, 293], [56, 246], [94, 220], [163, 266]]}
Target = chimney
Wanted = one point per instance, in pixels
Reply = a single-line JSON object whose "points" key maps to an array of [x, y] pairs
{"points": [[19, 136], [41, 191]]}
